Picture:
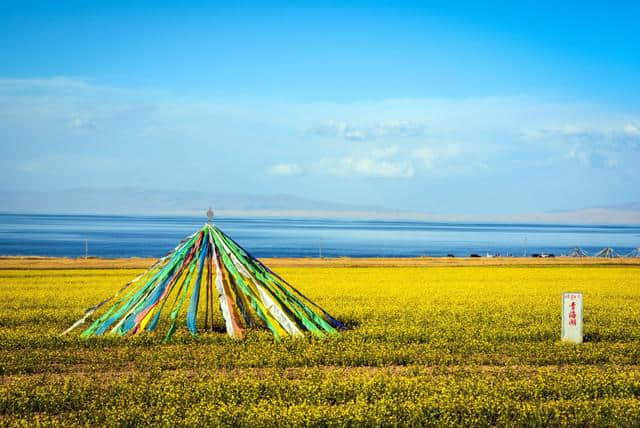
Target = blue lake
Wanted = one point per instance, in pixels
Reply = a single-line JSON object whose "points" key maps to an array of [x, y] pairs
{"points": [[153, 236]]}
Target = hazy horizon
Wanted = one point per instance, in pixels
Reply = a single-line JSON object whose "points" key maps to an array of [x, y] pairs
{"points": [[167, 203]]}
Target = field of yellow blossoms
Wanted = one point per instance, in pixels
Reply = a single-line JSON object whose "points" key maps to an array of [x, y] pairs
{"points": [[427, 345]]}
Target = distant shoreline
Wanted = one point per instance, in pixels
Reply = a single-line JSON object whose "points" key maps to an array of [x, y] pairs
{"points": [[36, 262], [590, 217]]}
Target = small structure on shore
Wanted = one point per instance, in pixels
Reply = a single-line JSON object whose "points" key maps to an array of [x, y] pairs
{"points": [[577, 252], [206, 263], [608, 253], [634, 253]]}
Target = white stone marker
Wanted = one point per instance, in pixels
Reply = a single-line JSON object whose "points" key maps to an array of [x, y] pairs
{"points": [[572, 317]]}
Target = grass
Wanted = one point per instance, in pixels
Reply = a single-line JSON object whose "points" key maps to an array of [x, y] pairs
{"points": [[428, 345]]}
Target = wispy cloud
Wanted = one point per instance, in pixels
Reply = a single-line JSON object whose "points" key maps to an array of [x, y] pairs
{"points": [[427, 157], [384, 152], [632, 129], [20, 85], [79, 121], [284, 169], [367, 167], [592, 157], [588, 146], [619, 137], [68, 164], [146, 134], [447, 160], [367, 131]]}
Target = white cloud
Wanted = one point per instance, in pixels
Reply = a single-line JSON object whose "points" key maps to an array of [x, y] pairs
{"points": [[398, 128], [367, 166], [611, 163], [631, 129], [588, 156], [68, 163], [336, 129], [392, 138], [583, 157], [427, 157], [79, 122], [396, 162], [561, 132], [284, 169], [590, 146], [448, 159], [367, 131], [51, 83], [384, 152], [615, 137]]}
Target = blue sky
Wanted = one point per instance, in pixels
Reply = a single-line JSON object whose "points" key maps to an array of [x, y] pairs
{"points": [[449, 108]]}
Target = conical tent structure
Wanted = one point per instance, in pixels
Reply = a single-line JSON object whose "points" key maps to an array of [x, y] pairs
{"points": [[607, 253], [204, 264], [634, 253], [578, 252]]}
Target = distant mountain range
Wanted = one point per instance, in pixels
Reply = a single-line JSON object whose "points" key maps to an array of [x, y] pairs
{"points": [[168, 202], [142, 201]]}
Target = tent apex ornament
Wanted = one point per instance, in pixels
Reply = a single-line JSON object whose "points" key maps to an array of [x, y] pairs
{"points": [[205, 264]]}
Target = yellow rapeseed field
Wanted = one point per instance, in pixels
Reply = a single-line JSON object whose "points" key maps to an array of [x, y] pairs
{"points": [[427, 345]]}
